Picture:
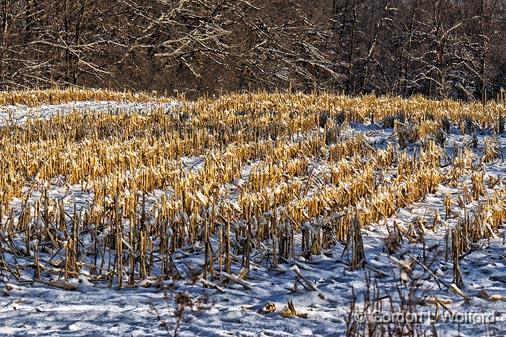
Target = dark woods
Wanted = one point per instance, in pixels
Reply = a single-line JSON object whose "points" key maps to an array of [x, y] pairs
{"points": [[439, 48]]}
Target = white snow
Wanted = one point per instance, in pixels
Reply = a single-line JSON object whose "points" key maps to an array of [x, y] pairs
{"points": [[21, 113]]}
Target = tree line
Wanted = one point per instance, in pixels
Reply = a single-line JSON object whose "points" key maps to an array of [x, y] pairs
{"points": [[438, 48]]}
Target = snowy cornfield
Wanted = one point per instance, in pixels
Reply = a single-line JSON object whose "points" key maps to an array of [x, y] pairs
{"points": [[255, 214]]}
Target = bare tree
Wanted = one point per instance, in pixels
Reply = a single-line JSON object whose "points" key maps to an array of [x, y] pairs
{"points": [[440, 48]]}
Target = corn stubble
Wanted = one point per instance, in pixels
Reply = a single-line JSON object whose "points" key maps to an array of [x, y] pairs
{"points": [[304, 179]]}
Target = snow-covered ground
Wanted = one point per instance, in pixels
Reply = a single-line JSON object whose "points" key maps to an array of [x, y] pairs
{"points": [[96, 310], [21, 113], [323, 302]]}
